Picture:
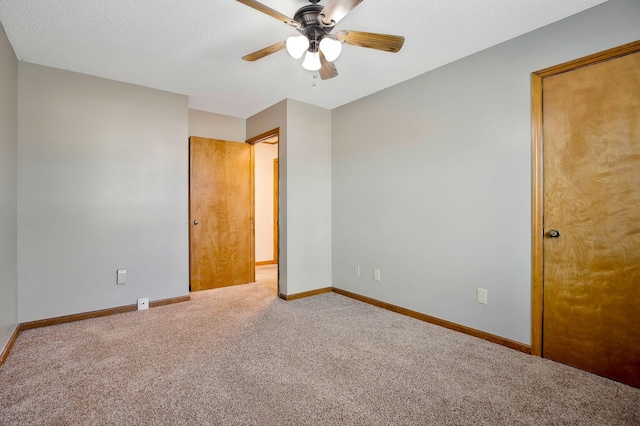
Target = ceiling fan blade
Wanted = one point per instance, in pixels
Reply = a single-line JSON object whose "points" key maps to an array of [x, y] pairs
{"points": [[327, 69], [267, 10], [264, 52], [386, 42], [335, 10]]}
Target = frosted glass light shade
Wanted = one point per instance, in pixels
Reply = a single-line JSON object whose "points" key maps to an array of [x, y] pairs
{"points": [[296, 46], [330, 48], [311, 61]]}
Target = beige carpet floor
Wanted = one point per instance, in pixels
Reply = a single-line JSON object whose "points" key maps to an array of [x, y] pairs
{"points": [[240, 355]]}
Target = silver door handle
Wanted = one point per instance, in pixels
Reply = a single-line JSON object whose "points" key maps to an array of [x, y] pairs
{"points": [[554, 233], [195, 222]]}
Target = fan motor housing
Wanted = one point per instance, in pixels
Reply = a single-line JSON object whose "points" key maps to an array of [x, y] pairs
{"points": [[308, 15], [310, 26]]}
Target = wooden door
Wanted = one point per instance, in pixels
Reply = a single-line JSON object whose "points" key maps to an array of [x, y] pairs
{"points": [[221, 213], [591, 270]]}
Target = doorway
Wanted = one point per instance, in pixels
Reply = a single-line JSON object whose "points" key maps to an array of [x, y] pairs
{"points": [[266, 177], [585, 200]]}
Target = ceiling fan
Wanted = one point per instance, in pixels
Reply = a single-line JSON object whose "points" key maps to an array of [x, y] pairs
{"points": [[315, 23]]}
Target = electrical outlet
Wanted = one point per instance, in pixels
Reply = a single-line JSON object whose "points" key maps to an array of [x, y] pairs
{"points": [[376, 274], [482, 296], [143, 303], [356, 271], [121, 276]]}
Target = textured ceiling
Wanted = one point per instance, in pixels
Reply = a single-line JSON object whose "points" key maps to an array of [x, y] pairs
{"points": [[193, 47]]}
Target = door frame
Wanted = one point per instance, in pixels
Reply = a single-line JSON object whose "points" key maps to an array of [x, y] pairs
{"points": [[254, 140], [276, 204], [537, 183]]}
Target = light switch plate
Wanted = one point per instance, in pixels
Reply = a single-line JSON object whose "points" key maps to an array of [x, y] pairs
{"points": [[482, 296], [121, 276]]}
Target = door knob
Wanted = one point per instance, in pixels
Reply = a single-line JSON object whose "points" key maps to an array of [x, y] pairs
{"points": [[554, 233], [195, 222]]}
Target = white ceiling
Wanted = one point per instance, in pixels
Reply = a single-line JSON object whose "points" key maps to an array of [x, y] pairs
{"points": [[193, 47]]}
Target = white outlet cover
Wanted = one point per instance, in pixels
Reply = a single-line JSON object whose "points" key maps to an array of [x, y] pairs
{"points": [[143, 303], [376, 274]]}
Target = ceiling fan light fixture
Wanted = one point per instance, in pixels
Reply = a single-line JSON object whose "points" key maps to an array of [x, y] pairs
{"points": [[311, 61], [330, 48], [296, 46], [315, 23]]}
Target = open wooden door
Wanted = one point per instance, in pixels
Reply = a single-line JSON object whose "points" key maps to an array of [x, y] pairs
{"points": [[221, 213], [591, 217]]}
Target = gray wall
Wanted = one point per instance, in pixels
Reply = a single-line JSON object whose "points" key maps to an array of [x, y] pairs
{"points": [[431, 178], [8, 190], [102, 185], [308, 162], [217, 126], [305, 192]]}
